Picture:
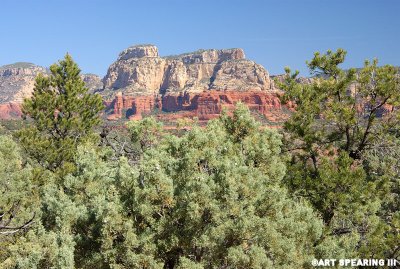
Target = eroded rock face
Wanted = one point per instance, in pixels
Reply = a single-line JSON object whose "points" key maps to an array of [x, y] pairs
{"points": [[139, 69], [17, 82], [138, 51], [10, 110], [205, 105], [92, 81], [132, 107], [241, 75], [198, 84]]}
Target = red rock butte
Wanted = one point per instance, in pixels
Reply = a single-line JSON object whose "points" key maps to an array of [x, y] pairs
{"points": [[199, 85]]}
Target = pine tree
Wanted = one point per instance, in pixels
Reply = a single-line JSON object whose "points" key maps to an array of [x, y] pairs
{"points": [[63, 115], [340, 118]]}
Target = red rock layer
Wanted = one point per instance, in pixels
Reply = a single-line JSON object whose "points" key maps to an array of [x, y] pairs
{"points": [[10, 110], [205, 105], [133, 107]]}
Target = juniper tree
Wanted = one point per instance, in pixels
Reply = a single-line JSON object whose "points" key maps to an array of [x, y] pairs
{"points": [[210, 198], [63, 114], [18, 196], [62, 234]]}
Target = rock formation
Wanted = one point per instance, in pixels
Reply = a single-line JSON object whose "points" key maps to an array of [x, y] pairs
{"points": [[93, 82], [204, 106], [198, 84], [140, 70], [10, 110], [17, 82], [132, 107]]}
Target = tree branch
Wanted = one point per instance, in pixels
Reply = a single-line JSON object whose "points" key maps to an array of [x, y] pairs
{"points": [[18, 228]]}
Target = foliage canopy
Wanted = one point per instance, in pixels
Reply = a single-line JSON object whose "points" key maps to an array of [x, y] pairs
{"points": [[233, 194]]}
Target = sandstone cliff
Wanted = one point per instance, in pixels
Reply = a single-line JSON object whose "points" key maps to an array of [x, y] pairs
{"points": [[198, 84], [204, 106], [93, 82], [140, 70], [17, 82]]}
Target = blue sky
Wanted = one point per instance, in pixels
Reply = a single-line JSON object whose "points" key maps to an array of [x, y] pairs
{"points": [[273, 33]]}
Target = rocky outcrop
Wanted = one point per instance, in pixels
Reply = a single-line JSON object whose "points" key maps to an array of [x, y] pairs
{"points": [[93, 82], [17, 82], [140, 70], [205, 105], [241, 75], [10, 110], [132, 107], [198, 84], [138, 51]]}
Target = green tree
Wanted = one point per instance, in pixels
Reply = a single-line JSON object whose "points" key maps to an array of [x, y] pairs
{"points": [[211, 198], [18, 196], [340, 117], [382, 161], [69, 215], [63, 115], [36, 209]]}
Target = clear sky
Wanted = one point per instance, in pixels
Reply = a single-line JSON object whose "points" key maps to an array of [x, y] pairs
{"points": [[273, 33]]}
